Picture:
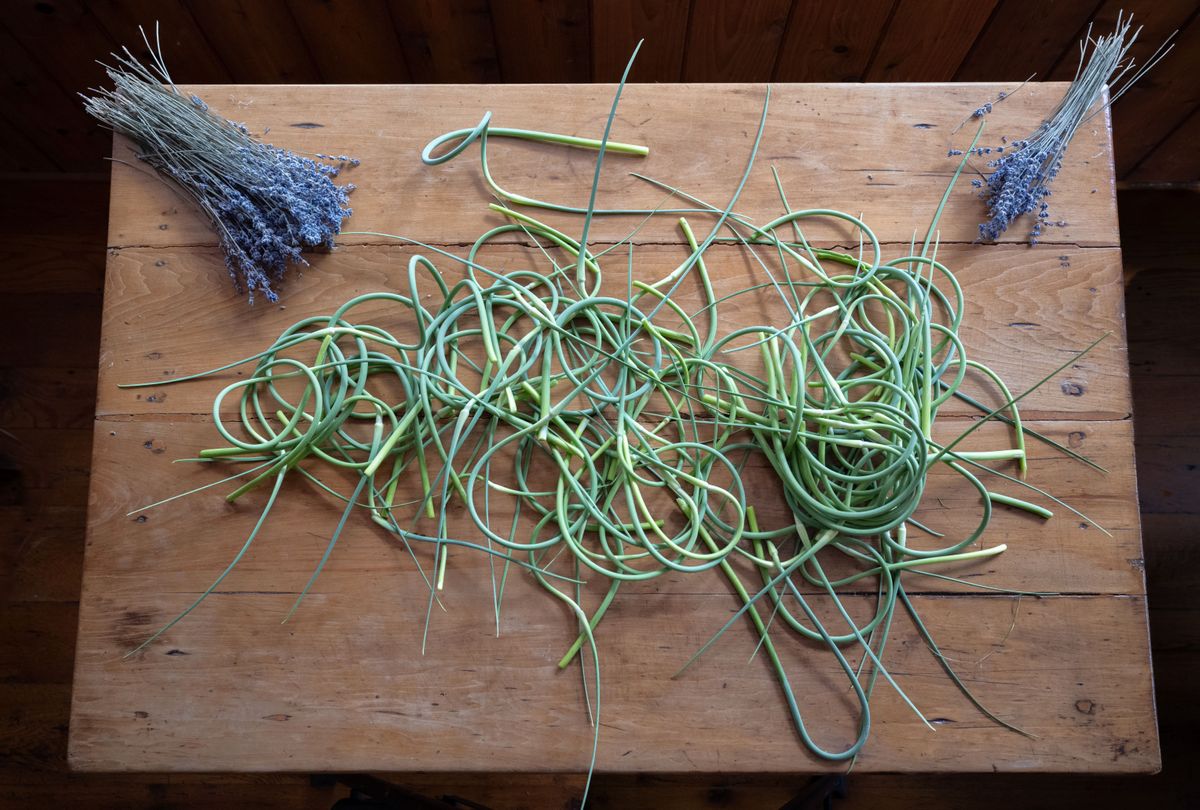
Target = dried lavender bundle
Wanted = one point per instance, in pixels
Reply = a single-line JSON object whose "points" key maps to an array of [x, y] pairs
{"points": [[1020, 180], [266, 204]]}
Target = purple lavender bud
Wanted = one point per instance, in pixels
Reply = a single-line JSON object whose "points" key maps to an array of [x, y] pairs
{"points": [[266, 204]]}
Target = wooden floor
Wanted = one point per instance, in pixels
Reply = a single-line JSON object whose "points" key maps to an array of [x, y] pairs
{"points": [[53, 263]]}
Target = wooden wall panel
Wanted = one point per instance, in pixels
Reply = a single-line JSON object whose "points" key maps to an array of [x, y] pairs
{"points": [[49, 129], [50, 48], [190, 57], [50, 53], [1176, 159], [1165, 96], [830, 42], [30, 156], [617, 25], [927, 38], [351, 42], [256, 39], [447, 40], [1157, 20], [733, 42], [63, 37], [1147, 119], [238, 31], [1024, 37], [1154, 107], [542, 40]]}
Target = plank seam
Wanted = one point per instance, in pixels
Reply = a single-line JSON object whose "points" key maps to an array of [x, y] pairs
{"points": [[119, 417], [647, 243]]}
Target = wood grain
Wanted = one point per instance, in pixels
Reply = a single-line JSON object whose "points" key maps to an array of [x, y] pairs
{"points": [[189, 56], [1140, 127], [1170, 542], [877, 150], [1172, 210], [66, 34], [377, 704], [1163, 349], [47, 398], [1138, 124], [830, 42], [48, 564], [618, 25], [29, 626], [347, 671], [55, 348], [456, 41], [231, 26], [34, 724], [560, 29], [1177, 158], [33, 766], [351, 44], [927, 39], [1023, 37], [51, 247], [54, 129], [447, 41], [53, 464], [174, 312], [135, 466], [48, 53], [733, 42], [1169, 479], [34, 157]]}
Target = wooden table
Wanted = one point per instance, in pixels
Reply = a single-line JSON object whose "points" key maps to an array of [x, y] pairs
{"points": [[343, 687]]}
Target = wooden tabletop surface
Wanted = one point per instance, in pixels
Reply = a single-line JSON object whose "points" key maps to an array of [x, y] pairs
{"points": [[343, 686]]}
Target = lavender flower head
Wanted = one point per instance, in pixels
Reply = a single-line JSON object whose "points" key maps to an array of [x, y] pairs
{"points": [[1020, 180], [266, 204]]}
